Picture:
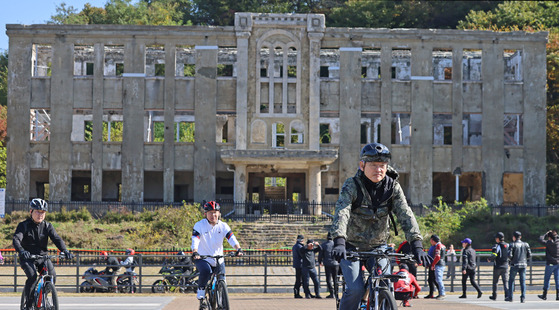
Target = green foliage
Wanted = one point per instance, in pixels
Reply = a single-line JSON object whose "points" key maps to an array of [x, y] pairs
{"points": [[4, 78], [116, 131], [186, 131], [69, 216], [3, 166]]}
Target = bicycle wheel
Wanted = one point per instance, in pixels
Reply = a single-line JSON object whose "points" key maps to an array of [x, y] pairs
{"points": [[386, 300], [221, 297], [50, 298], [159, 287]]}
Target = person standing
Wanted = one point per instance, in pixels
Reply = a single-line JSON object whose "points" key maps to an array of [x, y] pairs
{"points": [[499, 256], [451, 260], [551, 241], [469, 267], [438, 265], [298, 265], [367, 204], [331, 266], [309, 271], [519, 253]]}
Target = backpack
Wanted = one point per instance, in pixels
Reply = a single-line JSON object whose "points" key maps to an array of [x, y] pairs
{"points": [[357, 203]]}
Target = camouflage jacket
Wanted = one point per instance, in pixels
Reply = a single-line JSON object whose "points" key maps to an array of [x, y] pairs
{"points": [[367, 227]]}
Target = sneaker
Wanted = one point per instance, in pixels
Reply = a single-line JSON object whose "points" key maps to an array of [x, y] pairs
{"points": [[543, 297], [429, 296], [406, 303], [493, 297], [440, 297], [317, 296], [298, 296], [508, 299], [479, 294], [330, 296], [462, 296], [521, 300]]}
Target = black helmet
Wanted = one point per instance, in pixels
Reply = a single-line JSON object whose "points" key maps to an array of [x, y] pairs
{"points": [[39, 204], [375, 152], [211, 206], [500, 235], [517, 234]]}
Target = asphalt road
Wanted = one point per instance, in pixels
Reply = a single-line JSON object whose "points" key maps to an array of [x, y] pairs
{"points": [[264, 301]]}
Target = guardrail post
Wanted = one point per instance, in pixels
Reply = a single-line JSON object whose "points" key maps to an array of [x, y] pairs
{"points": [[531, 275], [15, 272], [140, 263], [77, 272], [265, 272]]}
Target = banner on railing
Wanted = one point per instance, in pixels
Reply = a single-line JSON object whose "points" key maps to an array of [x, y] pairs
{"points": [[2, 202]]}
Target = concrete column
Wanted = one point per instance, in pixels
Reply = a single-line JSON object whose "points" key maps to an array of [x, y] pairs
{"points": [[62, 100], [133, 122], [386, 95], [492, 146], [350, 111], [241, 184], [534, 117], [97, 114], [205, 109], [242, 90], [314, 91], [457, 108], [169, 119], [314, 187], [19, 104], [421, 169]]}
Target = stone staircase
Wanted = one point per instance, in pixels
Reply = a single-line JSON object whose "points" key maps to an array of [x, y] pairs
{"points": [[274, 235]]}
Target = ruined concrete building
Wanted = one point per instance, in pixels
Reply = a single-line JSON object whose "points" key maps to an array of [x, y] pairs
{"points": [[277, 106]]}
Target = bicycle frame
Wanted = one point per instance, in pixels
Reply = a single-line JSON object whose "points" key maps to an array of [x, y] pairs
{"points": [[37, 295]]}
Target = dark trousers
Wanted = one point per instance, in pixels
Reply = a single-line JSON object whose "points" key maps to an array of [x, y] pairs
{"points": [[205, 270], [298, 280], [313, 275], [331, 277], [432, 280], [469, 274], [28, 267], [500, 273]]}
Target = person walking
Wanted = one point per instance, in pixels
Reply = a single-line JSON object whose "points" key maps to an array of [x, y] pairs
{"points": [[519, 253], [309, 271], [551, 242], [499, 256], [367, 204], [451, 260], [436, 269], [331, 266], [297, 265], [469, 267]]}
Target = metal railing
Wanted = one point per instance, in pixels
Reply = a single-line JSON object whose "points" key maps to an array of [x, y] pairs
{"points": [[262, 272]]}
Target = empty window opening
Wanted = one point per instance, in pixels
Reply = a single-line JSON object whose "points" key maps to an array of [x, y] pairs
{"points": [[471, 129], [401, 63], [154, 126], [401, 128], [224, 70], [39, 124], [82, 125], [370, 128], [278, 135], [185, 60], [442, 64], [297, 130], [370, 63], [155, 60], [325, 136], [84, 57], [114, 60], [513, 65], [112, 126], [42, 60], [513, 129], [442, 129], [471, 64]]}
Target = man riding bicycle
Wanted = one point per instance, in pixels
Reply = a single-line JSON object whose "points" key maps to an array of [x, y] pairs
{"points": [[31, 238], [364, 208], [207, 239]]}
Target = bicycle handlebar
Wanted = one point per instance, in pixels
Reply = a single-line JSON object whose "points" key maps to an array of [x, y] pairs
{"points": [[47, 256], [230, 254], [355, 255]]}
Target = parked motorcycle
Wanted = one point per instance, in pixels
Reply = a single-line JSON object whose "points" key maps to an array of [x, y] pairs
{"points": [[96, 281], [175, 280]]}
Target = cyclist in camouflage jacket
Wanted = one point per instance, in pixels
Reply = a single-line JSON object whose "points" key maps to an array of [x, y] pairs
{"points": [[363, 216]]}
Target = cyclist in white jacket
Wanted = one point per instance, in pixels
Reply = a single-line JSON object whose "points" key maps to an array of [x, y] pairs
{"points": [[207, 239]]}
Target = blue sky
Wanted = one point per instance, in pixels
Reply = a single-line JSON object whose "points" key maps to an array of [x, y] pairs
{"points": [[29, 12]]}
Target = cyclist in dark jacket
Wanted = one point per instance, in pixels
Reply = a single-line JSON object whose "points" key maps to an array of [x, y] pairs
{"points": [[519, 252], [469, 267], [297, 264], [309, 271], [499, 256], [31, 238], [331, 266], [551, 242]]}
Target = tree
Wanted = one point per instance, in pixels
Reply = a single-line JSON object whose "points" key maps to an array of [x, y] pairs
{"points": [[4, 78]]}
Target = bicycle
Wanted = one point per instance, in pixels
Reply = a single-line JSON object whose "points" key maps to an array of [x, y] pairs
{"points": [[175, 280], [378, 287], [43, 292], [216, 290]]}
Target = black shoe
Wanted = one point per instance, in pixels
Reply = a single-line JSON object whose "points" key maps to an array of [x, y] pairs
{"points": [[318, 296], [309, 296], [440, 297], [428, 296], [543, 296], [493, 297], [330, 296], [508, 299], [298, 296], [463, 296], [479, 294], [521, 300]]}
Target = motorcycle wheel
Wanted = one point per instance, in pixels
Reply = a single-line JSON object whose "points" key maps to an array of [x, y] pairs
{"points": [[86, 287], [159, 287]]}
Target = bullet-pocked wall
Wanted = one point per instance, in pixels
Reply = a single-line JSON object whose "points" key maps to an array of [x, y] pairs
{"points": [[277, 106]]}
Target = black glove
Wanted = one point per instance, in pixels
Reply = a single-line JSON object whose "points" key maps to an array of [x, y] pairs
{"points": [[25, 255], [421, 257], [338, 252], [68, 254], [239, 252]]}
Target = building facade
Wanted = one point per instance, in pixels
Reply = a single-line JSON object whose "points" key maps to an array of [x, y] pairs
{"points": [[275, 107]]}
